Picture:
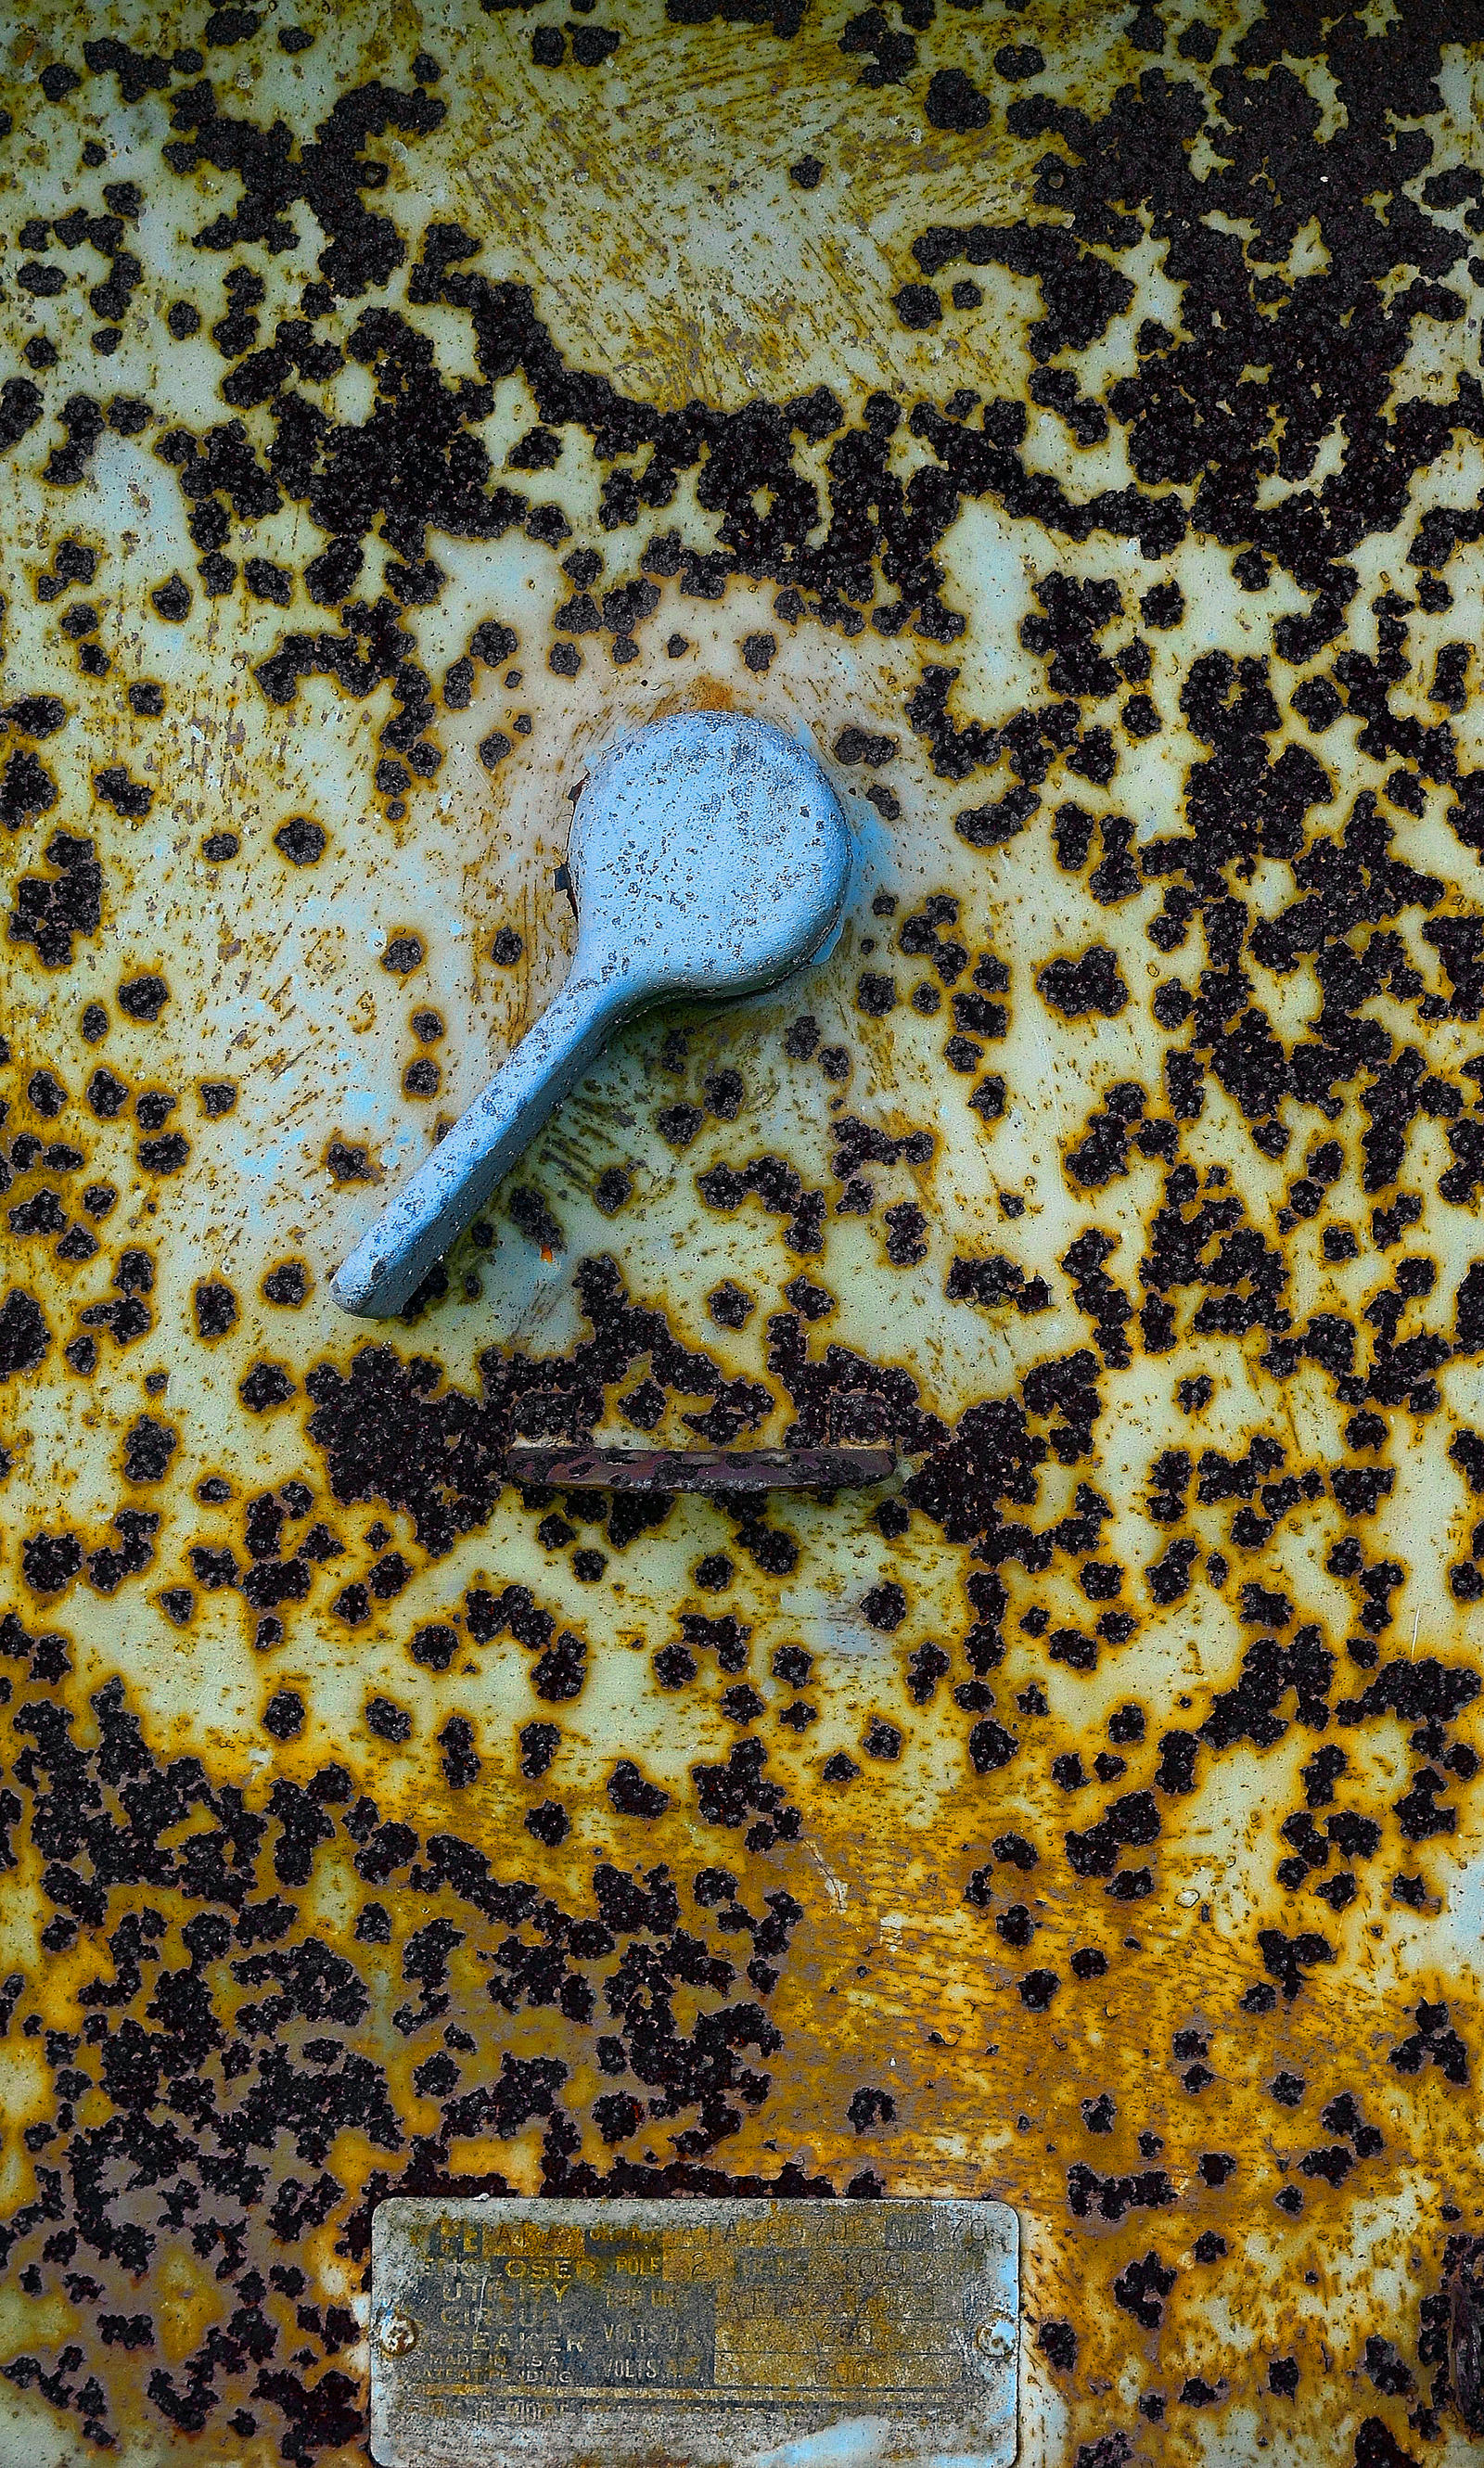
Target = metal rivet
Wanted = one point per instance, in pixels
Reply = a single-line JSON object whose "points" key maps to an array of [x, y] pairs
{"points": [[398, 2333]]}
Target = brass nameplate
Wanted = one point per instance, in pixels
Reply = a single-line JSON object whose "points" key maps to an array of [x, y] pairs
{"points": [[597, 2334]]}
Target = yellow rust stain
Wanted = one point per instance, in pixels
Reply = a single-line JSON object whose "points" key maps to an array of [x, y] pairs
{"points": [[188, 2300]]}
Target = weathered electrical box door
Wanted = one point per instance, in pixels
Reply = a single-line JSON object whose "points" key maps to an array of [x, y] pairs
{"points": [[1067, 424]]}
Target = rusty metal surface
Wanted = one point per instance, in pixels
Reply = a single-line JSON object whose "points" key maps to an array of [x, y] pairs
{"points": [[703, 2333], [711, 1470], [1073, 420]]}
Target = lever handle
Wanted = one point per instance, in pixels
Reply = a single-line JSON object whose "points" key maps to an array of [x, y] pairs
{"points": [[451, 1185], [710, 857]]}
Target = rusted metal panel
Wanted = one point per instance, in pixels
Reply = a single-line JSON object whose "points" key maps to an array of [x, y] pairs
{"points": [[700, 2332], [1072, 421]]}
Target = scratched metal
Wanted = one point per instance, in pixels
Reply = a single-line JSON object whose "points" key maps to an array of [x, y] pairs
{"points": [[1072, 417], [698, 2332]]}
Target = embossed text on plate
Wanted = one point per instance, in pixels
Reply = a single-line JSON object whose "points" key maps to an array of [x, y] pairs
{"points": [[709, 2332]]}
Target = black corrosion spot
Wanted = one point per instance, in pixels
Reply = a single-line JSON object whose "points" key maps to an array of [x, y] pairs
{"points": [[288, 1285], [24, 1336], [1090, 984], [300, 840], [143, 998], [215, 1309]]}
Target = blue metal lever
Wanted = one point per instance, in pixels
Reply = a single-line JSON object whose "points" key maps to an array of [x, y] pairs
{"points": [[709, 856]]}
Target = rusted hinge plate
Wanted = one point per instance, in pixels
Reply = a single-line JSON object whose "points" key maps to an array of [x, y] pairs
{"points": [[702, 2333]]}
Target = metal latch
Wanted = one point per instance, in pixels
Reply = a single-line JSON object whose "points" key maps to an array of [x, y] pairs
{"points": [[706, 1469]]}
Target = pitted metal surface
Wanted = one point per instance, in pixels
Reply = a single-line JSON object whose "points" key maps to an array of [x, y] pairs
{"points": [[1072, 422]]}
